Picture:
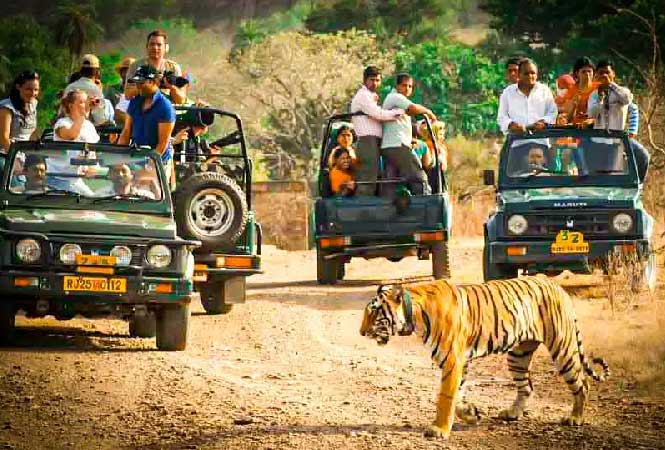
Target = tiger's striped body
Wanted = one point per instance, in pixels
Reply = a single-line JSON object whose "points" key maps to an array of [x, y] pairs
{"points": [[463, 322]]}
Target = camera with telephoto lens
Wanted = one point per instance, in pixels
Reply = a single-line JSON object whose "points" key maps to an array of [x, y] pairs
{"points": [[174, 80]]}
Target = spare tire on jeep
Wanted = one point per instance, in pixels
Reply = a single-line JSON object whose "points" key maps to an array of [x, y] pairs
{"points": [[210, 207]]}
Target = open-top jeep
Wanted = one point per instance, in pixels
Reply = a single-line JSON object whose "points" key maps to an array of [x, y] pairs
{"points": [[567, 199], [88, 229], [378, 226], [213, 204]]}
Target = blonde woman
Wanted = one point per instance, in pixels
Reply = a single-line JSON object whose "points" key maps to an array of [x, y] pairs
{"points": [[72, 126]]}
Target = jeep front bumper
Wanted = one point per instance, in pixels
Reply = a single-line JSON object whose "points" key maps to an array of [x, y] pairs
{"points": [[532, 252]]}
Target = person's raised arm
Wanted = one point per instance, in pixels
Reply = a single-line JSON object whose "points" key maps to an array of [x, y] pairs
{"points": [[415, 109], [126, 131], [369, 107], [178, 95], [623, 94], [5, 129], [71, 133]]}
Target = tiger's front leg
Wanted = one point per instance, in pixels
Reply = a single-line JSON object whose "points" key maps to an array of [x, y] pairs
{"points": [[445, 408]]}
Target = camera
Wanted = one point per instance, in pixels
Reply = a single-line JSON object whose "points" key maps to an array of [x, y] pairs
{"points": [[173, 79]]}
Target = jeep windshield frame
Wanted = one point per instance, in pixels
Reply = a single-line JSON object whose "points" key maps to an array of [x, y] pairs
{"points": [[12, 198], [626, 177]]}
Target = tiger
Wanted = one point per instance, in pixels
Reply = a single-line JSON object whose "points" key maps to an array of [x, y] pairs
{"points": [[463, 322]]}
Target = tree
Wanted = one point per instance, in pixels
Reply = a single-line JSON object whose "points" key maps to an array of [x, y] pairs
{"points": [[75, 28], [33, 51], [301, 79]]}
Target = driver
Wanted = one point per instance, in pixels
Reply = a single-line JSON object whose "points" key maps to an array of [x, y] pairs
{"points": [[536, 162], [35, 174], [122, 178]]}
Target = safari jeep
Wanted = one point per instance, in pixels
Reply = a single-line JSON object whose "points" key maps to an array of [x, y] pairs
{"points": [[213, 204], [377, 226], [567, 199], [89, 230]]}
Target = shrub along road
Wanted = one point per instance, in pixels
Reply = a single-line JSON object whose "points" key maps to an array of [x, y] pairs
{"points": [[289, 370]]}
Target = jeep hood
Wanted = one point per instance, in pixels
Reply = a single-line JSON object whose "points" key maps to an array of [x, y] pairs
{"points": [[103, 223], [572, 197]]}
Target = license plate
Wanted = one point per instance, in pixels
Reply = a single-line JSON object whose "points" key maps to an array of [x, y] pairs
{"points": [[94, 284], [569, 242], [95, 260]]}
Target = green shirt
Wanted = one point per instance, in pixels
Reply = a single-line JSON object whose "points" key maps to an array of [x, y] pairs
{"points": [[420, 149], [397, 132]]}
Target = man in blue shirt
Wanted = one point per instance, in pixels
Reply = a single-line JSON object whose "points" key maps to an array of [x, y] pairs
{"points": [[150, 117]]}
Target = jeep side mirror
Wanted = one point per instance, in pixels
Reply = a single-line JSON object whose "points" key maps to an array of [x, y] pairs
{"points": [[488, 177]]}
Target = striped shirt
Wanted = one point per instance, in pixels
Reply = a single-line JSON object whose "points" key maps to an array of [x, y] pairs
{"points": [[368, 102], [633, 119]]}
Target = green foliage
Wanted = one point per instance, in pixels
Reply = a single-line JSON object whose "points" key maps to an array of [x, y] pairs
{"points": [[27, 45], [458, 83], [75, 27], [253, 31], [595, 28], [390, 20]]}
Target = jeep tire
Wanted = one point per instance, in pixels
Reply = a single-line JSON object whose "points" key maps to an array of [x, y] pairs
{"points": [[7, 321], [440, 260], [143, 326], [173, 326], [212, 298], [327, 270], [493, 271], [210, 207]]}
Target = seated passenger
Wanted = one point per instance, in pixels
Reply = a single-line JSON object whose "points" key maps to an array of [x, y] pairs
{"points": [[342, 180], [35, 174], [344, 137], [536, 162], [123, 183], [73, 125]]}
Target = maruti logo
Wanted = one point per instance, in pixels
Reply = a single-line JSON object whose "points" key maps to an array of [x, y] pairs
{"points": [[569, 204]]}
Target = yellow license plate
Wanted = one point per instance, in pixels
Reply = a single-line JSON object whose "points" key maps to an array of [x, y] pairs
{"points": [[95, 260], [569, 242], [94, 284]]}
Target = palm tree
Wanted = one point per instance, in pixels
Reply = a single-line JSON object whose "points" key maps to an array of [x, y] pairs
{"points": [[75, 27]]}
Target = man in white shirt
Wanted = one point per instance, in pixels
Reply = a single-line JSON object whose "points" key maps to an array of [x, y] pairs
{"points": [[369, 130], [528, 104]]}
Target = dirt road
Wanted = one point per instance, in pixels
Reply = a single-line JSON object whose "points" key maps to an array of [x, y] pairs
{"points": [[289, 370]]}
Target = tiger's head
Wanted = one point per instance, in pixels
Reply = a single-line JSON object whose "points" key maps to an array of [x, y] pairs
{"points": [[387, 314]]}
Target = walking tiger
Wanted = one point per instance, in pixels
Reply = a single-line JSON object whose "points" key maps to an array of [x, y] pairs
{"points": [[462, 322]]}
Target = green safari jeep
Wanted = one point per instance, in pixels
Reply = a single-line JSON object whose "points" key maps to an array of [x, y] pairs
{"points": [[378, 226], [567, 199], [89, 230]]}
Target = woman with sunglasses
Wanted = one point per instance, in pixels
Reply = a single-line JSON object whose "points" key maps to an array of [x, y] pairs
{"points": [[18, 112]]}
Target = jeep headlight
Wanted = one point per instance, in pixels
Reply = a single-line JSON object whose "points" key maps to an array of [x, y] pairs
{"points": [[622, 223], [123, 255], [68, 253], [159, 256], [28, 250], [517, 224]]}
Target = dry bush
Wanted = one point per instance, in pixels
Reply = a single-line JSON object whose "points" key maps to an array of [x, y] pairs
{"points": [[624, 279], [633, 342], [472, 201]]}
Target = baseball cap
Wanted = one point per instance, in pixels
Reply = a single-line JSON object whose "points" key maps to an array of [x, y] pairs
{"points": [[144, 73], [90, 60], [124, 63]]}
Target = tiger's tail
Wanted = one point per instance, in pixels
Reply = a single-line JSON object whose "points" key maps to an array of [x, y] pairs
{"points": [[588, 369]]}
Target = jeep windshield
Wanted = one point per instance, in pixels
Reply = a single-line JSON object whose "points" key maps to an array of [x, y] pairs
{"points": [[565, 160], [84, 173]]}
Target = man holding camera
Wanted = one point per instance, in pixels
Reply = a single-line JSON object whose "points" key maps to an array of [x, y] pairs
{"points": [[150, 116], [172, 83]]}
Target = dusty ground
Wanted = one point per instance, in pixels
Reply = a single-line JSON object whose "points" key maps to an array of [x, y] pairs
{"points": [[289, 370]]}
